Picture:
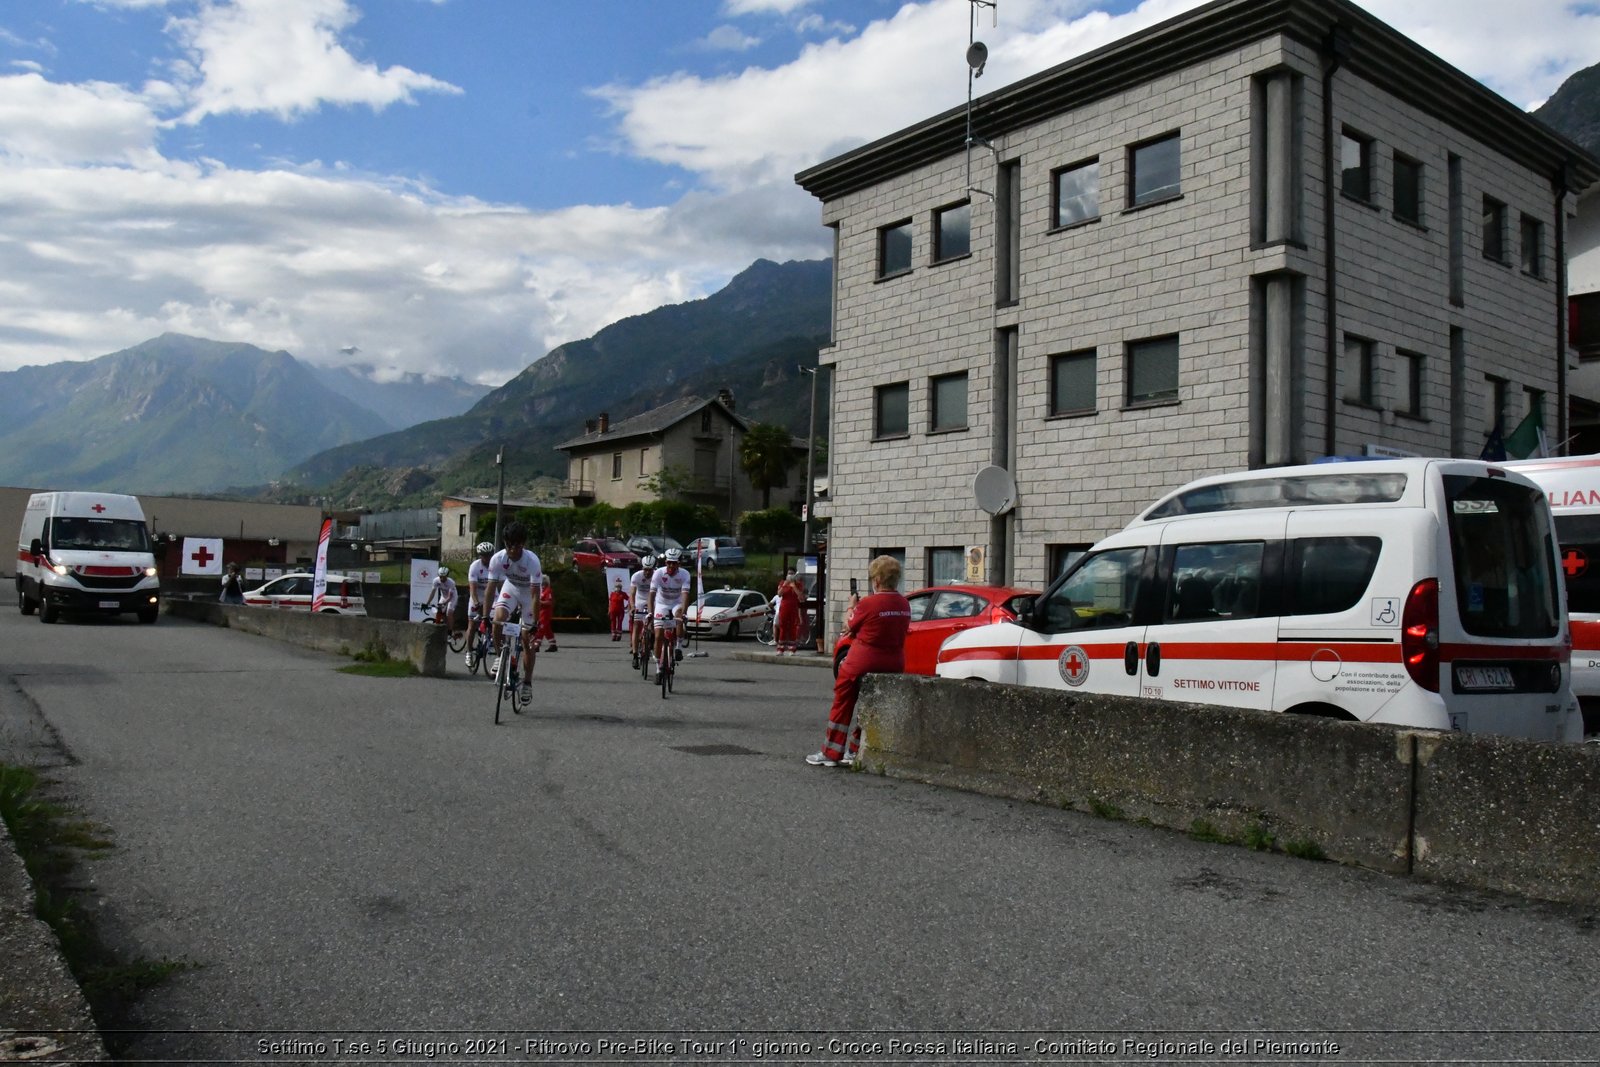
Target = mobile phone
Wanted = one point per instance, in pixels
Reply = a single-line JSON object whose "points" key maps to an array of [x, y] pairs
{"points": [[852, 587]]}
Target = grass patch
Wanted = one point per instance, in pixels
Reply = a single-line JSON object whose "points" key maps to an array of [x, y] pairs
{"points": [[1260, 838], [1305, 850], [1201, 830], [1104, 810], [52, 840], [394, 668]]}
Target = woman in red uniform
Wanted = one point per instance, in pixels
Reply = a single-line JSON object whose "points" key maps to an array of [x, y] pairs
{"points": [[790, 595], [618, 609], [547, 616], [878, 625]]}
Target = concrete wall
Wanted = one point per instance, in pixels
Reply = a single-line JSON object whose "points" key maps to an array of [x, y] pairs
{"points": [[1489, 812], [423, 645]]}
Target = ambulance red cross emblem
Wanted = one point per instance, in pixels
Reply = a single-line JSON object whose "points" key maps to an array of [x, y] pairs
{"points": [[1074, 665], [1574, 562]]}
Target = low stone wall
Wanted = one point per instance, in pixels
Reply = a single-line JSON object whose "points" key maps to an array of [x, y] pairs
{"points": [[1483, 811], [424, 645]]}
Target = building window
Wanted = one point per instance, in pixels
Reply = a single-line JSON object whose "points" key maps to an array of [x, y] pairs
{"points": [[1499, 392], [952, 232], [891, 410], [894, 249], [1408, 190], [1072, 383], [1077, 193], [1156, 167], [1059, 557], [1494, 230], [1152, 371], [1411, 400], [643, 452], [461, 525], [948, 403], [1583, 324], [898, 554], [1355, 166], [1532, 246], [946, 566], [1360, 371], [616, 465]]}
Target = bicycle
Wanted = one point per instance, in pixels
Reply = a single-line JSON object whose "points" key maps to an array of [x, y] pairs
{"points": [[435, 615], [647, 645], [481, 646], [507, 678], [667, 669], [768, 634]]}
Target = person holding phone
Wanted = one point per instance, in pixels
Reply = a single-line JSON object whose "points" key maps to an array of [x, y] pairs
{"points": [[790, 595], [878, 624]]}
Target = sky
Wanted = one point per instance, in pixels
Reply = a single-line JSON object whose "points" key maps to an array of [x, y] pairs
{"points": [[459, 186]]}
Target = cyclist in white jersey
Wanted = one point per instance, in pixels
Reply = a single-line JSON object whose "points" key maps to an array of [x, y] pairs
{"points": [[639, 600], [477, 598], [669, 599], [515, 572], [443, 597]]}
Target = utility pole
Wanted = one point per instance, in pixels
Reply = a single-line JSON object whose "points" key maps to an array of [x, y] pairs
{"points": [[500, 501], [811, 462]]}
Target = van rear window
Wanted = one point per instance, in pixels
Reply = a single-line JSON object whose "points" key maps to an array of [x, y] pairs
{"points": [[1580, 560], [1329, 574], [1297, 490], [1502, 546]]}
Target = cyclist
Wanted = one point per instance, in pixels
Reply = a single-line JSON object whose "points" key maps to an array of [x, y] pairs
{"points": [[639, 595], [513, 574], [669, 589], [442, 598], [477, 597]]}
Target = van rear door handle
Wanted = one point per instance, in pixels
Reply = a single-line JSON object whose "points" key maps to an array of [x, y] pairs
{"points": [[1130, 657], [1152, 659]]}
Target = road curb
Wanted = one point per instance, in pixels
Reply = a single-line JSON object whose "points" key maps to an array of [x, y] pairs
{"points": [[804, 659]]}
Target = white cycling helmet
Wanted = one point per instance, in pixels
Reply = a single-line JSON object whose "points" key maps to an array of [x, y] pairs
{"points": [[674, 555], [648, 563], [444, 572], [485, 548]]}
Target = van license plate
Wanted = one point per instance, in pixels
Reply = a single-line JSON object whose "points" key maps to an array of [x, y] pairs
{"points": [[1479, 678], [113, 604]]}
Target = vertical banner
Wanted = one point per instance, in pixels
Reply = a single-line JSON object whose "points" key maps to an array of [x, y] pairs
{"points": [[700, 587], [423, 571], [319, 581]]}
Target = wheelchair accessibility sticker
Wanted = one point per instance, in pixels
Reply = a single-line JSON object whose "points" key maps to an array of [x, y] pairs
{"points": [[1385, 611]]}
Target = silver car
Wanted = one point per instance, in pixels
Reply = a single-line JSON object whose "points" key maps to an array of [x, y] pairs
{"points": [[727, 613]]}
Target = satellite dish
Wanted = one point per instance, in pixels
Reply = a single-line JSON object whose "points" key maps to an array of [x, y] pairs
{"points": [[995, 490], [977, 56]]}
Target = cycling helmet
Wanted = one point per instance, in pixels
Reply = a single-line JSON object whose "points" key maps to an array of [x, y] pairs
{"points": [[485, 548], [674, 555], [444, 572], [648, 563]]}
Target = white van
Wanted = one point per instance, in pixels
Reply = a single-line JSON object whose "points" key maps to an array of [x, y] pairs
{"points": [[1416, 592], [88, 553], [1572, 485]]}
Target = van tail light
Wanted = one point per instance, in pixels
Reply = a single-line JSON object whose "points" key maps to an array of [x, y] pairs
{"points": [[1419, 634]]}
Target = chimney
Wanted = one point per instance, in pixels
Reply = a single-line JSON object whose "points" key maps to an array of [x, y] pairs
{"points": [[588, 426], [726, 398], [605, 421]]}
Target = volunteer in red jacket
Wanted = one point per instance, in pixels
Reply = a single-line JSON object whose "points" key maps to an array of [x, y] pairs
{"points": [[789, 596], [618, 609], [547, 615], [878, 625]]}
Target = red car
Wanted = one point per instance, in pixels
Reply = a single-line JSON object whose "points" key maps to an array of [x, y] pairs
{"points": [[941, 610], [599, 552]]}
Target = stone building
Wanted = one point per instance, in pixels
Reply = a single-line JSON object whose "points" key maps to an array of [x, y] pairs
{"points": [[1259, 233]]}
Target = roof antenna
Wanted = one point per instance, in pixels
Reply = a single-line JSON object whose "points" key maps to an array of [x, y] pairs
{"points": [[977, 59]]}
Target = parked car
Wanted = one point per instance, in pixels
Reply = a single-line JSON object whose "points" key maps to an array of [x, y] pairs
{"points": [[599, 552], [941, 610], [292, 592], [651, 544], [727, 613], [714, 552]]}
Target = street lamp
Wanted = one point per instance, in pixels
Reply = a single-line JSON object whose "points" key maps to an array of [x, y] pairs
{"points": [[500, 501], [811, 462]]}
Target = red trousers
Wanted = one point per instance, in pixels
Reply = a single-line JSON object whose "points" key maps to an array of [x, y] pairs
{"points": [[616, 620], [843, 734], [788, 627]]}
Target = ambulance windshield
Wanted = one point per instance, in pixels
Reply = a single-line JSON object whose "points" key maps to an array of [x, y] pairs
{"points": [[104, 535], [1503, 548]]}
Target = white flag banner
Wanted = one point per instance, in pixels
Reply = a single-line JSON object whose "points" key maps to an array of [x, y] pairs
{"points": [[202, 555], [423, 572], [319, 573]]}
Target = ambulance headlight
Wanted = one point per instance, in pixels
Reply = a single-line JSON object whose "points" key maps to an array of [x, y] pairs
{"points": [[59, 568], [149, 572]]}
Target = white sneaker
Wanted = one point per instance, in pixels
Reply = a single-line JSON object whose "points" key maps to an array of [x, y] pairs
{"points": [[472, 661], [849, 759], [494, 668], [526, 696], [817, 759]]}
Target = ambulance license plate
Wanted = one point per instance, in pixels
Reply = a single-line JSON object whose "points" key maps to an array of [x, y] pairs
{"points": [[1470, 679], [112, 604]]}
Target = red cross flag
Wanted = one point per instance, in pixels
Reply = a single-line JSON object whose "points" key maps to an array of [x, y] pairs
{"points": [[202, 555]]}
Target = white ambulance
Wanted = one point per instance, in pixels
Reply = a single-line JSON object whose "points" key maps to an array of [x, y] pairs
{"points": [[1572, 485], [86, 553], [1415, 592]]}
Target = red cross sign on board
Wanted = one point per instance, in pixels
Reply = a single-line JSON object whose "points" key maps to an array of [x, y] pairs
{"points": [[1574, 562], [98, 508], [202, 556]]}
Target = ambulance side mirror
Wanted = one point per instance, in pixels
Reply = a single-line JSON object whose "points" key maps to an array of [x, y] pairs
{"points": [[37, 548]]}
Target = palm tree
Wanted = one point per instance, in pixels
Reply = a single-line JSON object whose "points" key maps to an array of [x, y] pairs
{"points": [[766, 454]]}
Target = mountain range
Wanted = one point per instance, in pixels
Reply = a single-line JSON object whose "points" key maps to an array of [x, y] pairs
{"points": [[180, 414]]}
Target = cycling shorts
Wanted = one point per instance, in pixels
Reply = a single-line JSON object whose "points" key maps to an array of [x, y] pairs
{"points": [[511, 597], [666, 615]]}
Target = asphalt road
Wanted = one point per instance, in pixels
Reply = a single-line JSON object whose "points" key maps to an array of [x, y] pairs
{"points": [[366, 859]]}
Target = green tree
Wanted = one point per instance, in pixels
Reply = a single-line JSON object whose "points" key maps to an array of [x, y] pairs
{"points": [[766, 454]]}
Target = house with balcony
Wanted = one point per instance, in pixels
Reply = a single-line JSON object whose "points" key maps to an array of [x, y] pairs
{"points": [[687, 449], [1258, 233]]}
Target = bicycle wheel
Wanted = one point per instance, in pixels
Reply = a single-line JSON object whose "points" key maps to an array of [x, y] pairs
{"points": [[664, 673], [514, 686], [500, 678], [457, 640], [804, 640], [766, 635]]}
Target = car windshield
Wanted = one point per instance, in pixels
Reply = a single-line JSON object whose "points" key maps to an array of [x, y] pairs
{"points": [[116, 535], [719, 600], [611, 544]]}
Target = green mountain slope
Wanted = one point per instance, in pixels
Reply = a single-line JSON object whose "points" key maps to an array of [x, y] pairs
{"points": [[1574, 109]]}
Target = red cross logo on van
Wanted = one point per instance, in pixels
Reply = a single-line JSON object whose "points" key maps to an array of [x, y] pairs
{"points": [[1574, 562], [1074, 665], [98, 508]]}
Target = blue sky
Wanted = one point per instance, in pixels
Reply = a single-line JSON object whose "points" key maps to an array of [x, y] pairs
{"points": [[458, 186]]}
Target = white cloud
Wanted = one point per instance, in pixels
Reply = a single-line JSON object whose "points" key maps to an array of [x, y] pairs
{"points": [[762, 7], [92, 122], [729, 39], [284, 57]]}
